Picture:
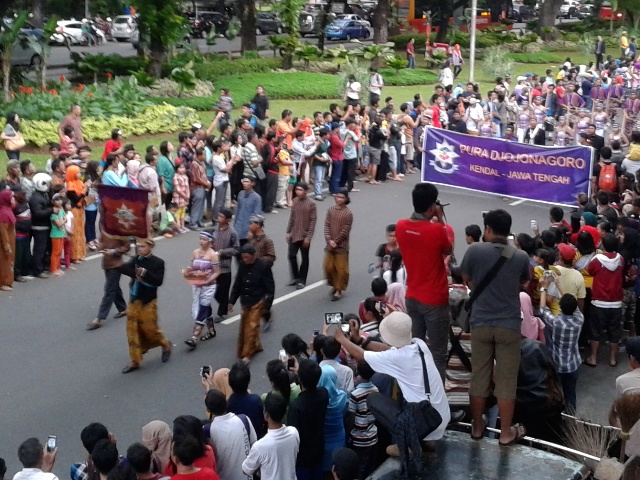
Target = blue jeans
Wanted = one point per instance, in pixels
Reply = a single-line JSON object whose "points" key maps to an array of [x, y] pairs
{"points": [[336, 174], [411, 61], [210, 194], [569, 381], [318, 178], [90, 217], [431, 320], [197, 207], [13, 155]]}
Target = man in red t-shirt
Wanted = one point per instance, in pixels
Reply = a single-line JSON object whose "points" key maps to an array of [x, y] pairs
{"points": [[423, 245]]}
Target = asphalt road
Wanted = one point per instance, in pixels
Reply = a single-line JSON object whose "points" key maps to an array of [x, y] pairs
{"points": [[57, 377]]}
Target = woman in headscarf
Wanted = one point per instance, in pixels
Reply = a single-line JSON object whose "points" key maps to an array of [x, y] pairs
{"points": [[396, 297], [334, 434], [76, 191], [202, 274], [7, 240], [156, 436], [532, 327], [221, 381], [133, 167], [589, 223]]}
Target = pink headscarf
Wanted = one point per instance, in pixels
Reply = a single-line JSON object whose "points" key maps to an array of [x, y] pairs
{"points": [[532, 327], [133, 167]]}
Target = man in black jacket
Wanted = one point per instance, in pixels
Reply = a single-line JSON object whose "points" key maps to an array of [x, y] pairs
{"points": [[534, 135], [255, 288], [40, 205], [147, 274]]}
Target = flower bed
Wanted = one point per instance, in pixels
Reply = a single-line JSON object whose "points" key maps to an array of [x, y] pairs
{"points": [[152, 120]]}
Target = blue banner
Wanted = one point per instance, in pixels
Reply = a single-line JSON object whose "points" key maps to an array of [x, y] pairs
{"points": [[545, 174]]}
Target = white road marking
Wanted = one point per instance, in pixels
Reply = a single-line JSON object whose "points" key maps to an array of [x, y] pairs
{"points": [[281, 299], [517, 202]]}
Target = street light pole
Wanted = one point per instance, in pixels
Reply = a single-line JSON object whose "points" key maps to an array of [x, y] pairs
{"points": [[472, 51]]}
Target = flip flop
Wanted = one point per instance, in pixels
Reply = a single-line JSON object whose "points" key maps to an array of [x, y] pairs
{"points": [[484, 421], [521, 432], [612, 364], [592, 365]]}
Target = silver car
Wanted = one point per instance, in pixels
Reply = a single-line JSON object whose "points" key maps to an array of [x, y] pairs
{"points": [[123, 28], [25, 56]]}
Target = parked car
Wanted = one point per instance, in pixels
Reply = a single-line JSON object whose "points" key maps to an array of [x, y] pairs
{"points": [[266, 22], [122, 27], [585, 11], [23, 55], [346, 30], [522, 13], [202, 22], [351, 16], [69, 32], [568, 9], [311, 22]]}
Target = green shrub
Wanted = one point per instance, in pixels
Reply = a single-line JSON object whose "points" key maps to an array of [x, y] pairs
{"points": [[114, 64], [251, 54], [153, 120], [541, 57], [401, 41], [216, 69], [202, 104], [407, 76]]}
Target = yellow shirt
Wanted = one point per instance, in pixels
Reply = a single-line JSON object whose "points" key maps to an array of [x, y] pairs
{"points": [[624, 41], [555, 304], [634, 151], [283, 156]]}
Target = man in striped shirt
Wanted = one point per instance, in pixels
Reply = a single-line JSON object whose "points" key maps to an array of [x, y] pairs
{"points": [[363, 434], [302, 224], [565, 331], [337, 228]]}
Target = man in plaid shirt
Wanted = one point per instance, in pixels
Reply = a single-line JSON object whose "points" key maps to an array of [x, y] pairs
{"points": [[565, 331]]}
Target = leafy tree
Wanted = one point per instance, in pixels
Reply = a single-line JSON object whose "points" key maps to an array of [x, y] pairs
{"points": [[9, 36], [41, 46], [275, 43], [185, 77], [307, 52], [162, 24], [289, 12]]}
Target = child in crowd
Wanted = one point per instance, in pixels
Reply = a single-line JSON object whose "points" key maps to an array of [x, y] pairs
{"points": [[472, 233], [57, 234], [363, 434], [545, 258], [283, 194], [133, 167], [68, 239], [181, 195], [54, 151], [225, 103], [66, 138], [168, 222]]}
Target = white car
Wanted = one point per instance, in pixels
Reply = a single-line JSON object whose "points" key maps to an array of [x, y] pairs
{"points": [[351, 16], [569, 8], [70, 32], [123, 28]]}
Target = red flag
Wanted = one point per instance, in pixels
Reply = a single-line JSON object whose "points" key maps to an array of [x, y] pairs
{"points": [[123, 211]]}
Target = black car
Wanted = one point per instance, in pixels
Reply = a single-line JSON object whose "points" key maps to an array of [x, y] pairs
{"points": [[266, 22], [202, 23]]}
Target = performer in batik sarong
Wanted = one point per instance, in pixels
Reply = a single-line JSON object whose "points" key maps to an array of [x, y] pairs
{"points": [[147, 274]]}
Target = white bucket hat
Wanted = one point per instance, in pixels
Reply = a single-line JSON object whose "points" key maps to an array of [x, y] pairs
{"points": [[395, 329]]}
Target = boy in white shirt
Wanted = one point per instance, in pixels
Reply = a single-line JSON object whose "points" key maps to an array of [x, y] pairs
{"points": [[275, 454]]}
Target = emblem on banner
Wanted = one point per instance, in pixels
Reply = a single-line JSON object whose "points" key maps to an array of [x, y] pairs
{"points": [[444, 156]]}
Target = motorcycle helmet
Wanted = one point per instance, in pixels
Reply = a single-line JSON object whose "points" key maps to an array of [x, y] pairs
{"points": [[42, 182]]}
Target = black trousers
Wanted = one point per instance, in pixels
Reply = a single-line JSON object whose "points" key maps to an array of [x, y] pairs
{"points": [[269, 191], [23, 264], [223, 285], [41, 245], [112, 294], [348, 173], [299, 273]]}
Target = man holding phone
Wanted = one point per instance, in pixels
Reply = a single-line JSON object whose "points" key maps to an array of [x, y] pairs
{"points": [[37, 461]]}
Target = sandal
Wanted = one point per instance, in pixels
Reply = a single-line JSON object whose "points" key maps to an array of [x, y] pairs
{"points": [[191, 342], [210, 334], [520, 434], [484, 422]]}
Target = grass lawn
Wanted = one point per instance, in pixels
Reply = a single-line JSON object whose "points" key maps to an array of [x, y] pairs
{"points": [[245, 85]]}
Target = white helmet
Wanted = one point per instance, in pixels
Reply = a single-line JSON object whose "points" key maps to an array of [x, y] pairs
{"points": [[42, 182]]}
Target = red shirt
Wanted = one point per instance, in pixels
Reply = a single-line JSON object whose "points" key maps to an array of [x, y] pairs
{"points": [[202, 474], [336, 148], [111, 146], [411, 49], [423, 245], [206, 462], [435, 116]]}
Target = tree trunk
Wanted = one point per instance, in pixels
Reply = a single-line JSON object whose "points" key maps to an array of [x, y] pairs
{"points": [[380, 22], [156, 55], [38, 13], [248, 41], [6, 80], [287, 61], [443, 27], [548, 11], [43, 74]]}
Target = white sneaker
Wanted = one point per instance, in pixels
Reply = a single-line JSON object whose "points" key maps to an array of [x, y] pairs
{"points": [[401, 174]]}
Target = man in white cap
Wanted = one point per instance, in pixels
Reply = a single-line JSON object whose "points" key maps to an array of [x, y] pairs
{"points": [[400, 357], [474, 116]]}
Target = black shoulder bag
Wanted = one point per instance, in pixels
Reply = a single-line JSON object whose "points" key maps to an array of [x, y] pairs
{"points": [[426, 418], [507, 253]]}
